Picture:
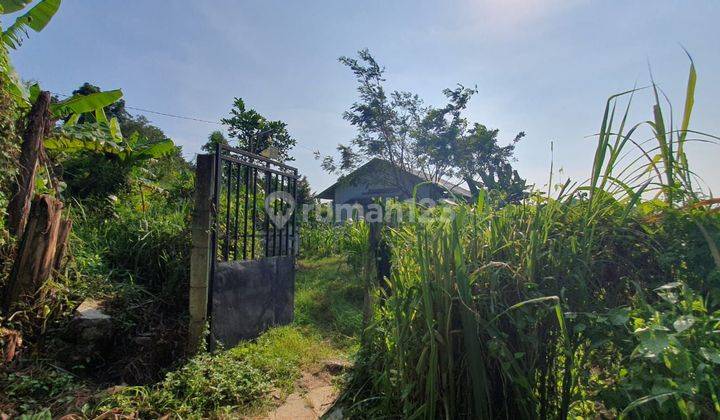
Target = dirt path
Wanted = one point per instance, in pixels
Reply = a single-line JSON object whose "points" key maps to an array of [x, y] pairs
{"points": [[315, 394]]}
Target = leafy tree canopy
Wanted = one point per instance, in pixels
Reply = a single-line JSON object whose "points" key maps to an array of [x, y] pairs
{"points": [[256, 133], [215, 138], [439, 142], [304, 193], [100, 144]]}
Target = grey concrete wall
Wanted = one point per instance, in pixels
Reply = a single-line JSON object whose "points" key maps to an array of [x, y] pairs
{"points": [[251, 296]]}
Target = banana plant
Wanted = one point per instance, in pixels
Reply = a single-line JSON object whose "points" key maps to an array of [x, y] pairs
{"points": [[37, 18], [101, 135]]}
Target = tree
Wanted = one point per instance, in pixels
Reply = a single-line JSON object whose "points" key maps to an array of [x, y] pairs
{"points": [[485, 164], [101, 163], [256, 133], [449, 146], [304, 194], [384, 122], [439, 142], [215, 138]]}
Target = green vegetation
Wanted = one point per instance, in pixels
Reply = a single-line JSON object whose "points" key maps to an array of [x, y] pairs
{"points": [[592, 300], [240, 379], [255, 133], [329, 299], [440, 142], [600, 301], [244, 378]]}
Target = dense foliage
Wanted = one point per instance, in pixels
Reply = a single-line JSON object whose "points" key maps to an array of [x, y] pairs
{"points": [[256, 133], [438, 142]]}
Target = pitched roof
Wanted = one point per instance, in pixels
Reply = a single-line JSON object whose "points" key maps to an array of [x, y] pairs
{"points": [[329, 192]]}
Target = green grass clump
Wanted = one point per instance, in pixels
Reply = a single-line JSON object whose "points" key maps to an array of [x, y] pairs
{"points": [[237, 380]]}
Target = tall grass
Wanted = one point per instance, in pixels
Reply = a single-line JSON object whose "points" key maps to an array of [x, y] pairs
{"points": [[557, 306], [320, 240]]}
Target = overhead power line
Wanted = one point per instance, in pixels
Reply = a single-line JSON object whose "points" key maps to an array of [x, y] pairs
{"points": [[182, 117], [173, 115]]}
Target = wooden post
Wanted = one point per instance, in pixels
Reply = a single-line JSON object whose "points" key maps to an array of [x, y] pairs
{"points": [[200, 254], [36, 254], [31, 149]]}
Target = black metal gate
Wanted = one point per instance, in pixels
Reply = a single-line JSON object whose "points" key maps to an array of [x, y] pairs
{"points": [[253, 244]]}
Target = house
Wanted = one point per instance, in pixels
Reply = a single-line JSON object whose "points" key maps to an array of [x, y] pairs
{"points": [[380, 179]]}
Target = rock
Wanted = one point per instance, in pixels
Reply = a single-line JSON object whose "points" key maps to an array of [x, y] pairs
{"points": [[90, 331], [90, 309], [91, 322]]}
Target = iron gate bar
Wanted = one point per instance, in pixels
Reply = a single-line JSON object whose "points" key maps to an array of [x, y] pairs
{"points": [[254, 208], [292, 171], [226, 248], [287, 225], [237, 210], [247, 202], [266, 219], [274, 210], [258, 167], [242, 167], [282, 211]]}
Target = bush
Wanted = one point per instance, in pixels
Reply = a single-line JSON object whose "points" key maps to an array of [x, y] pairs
{"points": [[326, 240], [92, 175]]}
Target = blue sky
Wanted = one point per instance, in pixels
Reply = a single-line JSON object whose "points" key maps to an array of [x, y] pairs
{"points": [[545, 68]]}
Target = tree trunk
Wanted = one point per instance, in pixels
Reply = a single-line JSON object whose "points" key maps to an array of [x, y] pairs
{"points": [[19, 205], [37, 252], [472, 186]]}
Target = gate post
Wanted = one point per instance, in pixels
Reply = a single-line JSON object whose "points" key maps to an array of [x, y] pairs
{"points": [[200, 253]]}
